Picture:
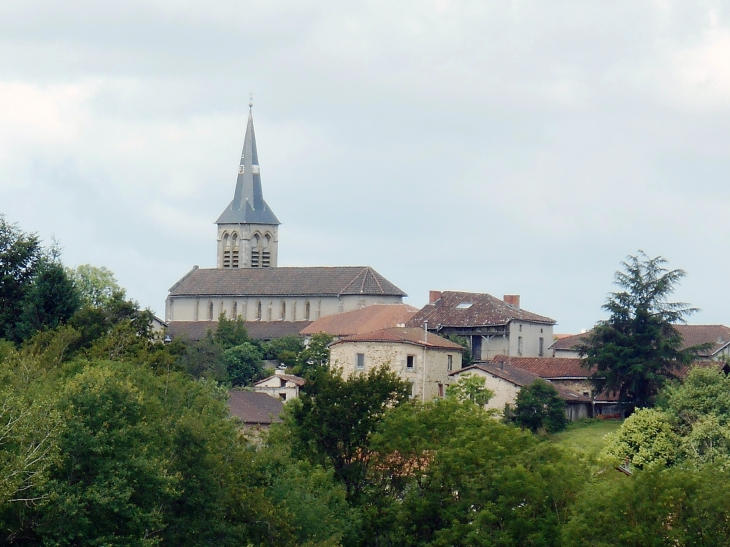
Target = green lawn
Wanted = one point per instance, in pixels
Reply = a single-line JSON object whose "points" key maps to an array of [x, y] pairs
{"points": [[586, 437]]}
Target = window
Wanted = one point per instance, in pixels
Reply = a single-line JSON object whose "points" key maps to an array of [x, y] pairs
{"points": [[410, 361], [464, 305], [269, 311], [520, 327], [234, 310], [210, 311], [282, 396], [283, 310], [441, 390], [340, 306], [196, 311], [360, 360], [294, 311], [540, 346], [519, 345], [258, 311], [306, 311], [449, 362]]}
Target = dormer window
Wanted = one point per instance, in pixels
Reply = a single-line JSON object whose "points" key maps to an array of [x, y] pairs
{"points": [[464, 305]]}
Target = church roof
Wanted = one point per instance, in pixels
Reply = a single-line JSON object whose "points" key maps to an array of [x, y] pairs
{"points": [[248, 205], [294, 281]]}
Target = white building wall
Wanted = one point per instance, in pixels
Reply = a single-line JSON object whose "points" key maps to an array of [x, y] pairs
{"points": [[504, 392], [530, 334], [395, 355], [183, 308]]}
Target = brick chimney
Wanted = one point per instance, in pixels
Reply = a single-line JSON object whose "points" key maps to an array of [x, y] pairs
{"points": [[512, 300], [433, 296]]}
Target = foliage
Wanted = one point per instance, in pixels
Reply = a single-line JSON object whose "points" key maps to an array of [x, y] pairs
{"points": [[315, 355], [645, 438], [243, 364], [537, 407], [202, 359], [705, 391], [335, 418], [286, 350], [637, 348], [659, 507], [230, 332], [467, 359], [20, 254], [97, 286], [446, 473], [470, 387]]}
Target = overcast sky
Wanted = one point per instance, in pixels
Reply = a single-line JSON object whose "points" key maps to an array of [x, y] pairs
{"points": [[487, 146]]}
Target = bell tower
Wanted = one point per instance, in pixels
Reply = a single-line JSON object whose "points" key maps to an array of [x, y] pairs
{"points": [[248, 230]]}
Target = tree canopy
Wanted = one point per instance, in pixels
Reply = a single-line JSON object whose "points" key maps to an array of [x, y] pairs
{"points": [[637, 348]]}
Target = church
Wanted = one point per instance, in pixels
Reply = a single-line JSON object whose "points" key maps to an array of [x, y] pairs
{"points": [[247, 281]]}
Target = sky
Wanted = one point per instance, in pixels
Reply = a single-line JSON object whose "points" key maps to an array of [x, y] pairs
{"points": [[506, 147]]}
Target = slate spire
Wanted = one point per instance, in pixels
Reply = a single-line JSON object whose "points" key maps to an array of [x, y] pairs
{"points": [[248, 205]]}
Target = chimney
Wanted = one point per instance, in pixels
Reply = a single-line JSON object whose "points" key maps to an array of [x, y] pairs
{"points": [[512, 300], [433, 296]]}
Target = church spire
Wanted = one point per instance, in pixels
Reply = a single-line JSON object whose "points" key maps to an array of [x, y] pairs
{"points": [[248, 205]]}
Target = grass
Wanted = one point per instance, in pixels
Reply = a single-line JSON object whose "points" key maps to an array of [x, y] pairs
{"points": [[586, 435]]}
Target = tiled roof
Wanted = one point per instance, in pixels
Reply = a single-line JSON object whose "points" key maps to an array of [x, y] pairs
{"points": [[259, 330], [546, 367], [453, 310], [520, 378], [692, 335], [314, 281], [368, 319], [403, 335], [296, 380], [254, 408]]}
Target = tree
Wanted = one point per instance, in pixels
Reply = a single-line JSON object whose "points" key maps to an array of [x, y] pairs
{"points": [[20, 254], [538, 406], [230, 332], [285, 349], [97, 286], [315, 355], [646, 438], [336, 417], [243, 363], [637, 348], [470, 387]]}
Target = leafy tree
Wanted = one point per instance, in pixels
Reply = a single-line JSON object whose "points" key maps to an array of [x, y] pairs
{"points": [[315, 355], [202, 359], [335, 418], [538, 406], [243, 363], [637, 348], [285, 349], [470, 387], [20, 254], [646, 438], [446, 473], [705, 391], [97, 286], [230, 332]]}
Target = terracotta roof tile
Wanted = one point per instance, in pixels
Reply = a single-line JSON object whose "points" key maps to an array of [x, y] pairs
{"points": [[405, 335], [546, 367], [368, 319], [254, 408], [462, 309], [314, 281]]}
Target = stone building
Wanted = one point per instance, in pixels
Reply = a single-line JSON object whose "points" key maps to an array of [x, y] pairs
{"points": [[492, 326], [247, 281], [424, 361]]}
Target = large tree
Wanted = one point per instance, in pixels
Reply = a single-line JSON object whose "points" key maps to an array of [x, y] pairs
{"points": [[637, 348]]}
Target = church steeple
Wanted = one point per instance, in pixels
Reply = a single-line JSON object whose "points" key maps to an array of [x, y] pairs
{"points": [[248, 228], [248, 205]]}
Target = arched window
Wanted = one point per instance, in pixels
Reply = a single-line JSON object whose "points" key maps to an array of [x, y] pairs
{"points": [[265, 252], [294, 311], [234, 310], [196, 310], [226, 251], [210, 311], [234, 250], [306, 311], [269, 310], [258, 311], [256, 251], [283, 310]]}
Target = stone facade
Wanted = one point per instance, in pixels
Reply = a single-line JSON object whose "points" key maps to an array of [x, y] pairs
{"points": [[248, 245]]}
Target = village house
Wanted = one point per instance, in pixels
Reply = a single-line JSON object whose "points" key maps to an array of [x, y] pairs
{"points": [[247, 281], [280, 386], [254, 410], [490, 325], [422, 359], [506, 381], [717, 337]]}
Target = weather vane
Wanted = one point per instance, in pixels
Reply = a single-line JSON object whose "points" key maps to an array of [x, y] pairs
{"points": [[250, 100]]}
